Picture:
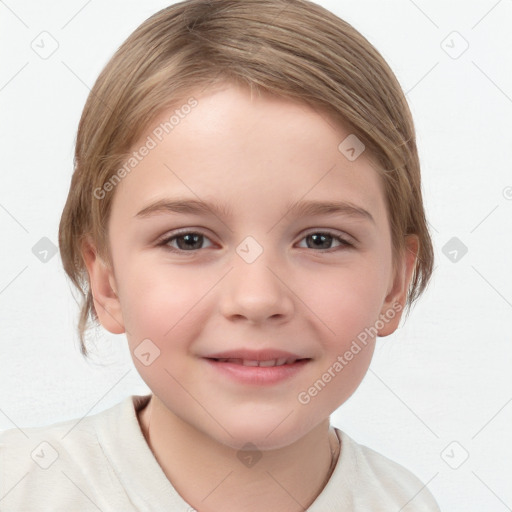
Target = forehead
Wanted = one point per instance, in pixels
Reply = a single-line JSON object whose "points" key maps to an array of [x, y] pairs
{"points": [[249, 151]]}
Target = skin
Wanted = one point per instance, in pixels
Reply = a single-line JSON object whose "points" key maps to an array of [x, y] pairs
{"points": [[255, 154]]}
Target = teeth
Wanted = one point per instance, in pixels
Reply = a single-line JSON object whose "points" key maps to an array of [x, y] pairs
{"points": [[247, 362], [267, 363]]}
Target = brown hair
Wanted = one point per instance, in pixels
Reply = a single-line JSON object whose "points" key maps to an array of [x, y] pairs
{"points": [[292, 48]]}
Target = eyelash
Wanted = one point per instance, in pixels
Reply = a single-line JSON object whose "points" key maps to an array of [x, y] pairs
{"points": [[345, 244]]}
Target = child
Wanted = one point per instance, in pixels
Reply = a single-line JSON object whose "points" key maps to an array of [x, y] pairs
{"points": [[246, 205]]}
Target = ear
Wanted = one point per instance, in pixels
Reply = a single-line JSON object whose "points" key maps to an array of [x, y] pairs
{"points": [[103, 288], [394, 303]]}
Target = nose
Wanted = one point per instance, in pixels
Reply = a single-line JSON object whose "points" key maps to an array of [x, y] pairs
{"points": [[256, 292]]}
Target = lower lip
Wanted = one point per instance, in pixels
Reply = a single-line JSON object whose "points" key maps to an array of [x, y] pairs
{"points": [[258, 375]]}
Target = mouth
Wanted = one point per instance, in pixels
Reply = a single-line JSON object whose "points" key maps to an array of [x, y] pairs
{"points": [[257, 367], [282, 361]]}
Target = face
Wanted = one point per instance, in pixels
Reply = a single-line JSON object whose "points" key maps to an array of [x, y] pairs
{"points": [[262, 272]]}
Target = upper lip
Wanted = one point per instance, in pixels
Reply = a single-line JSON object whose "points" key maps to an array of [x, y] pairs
{"points": [[255, 355]]}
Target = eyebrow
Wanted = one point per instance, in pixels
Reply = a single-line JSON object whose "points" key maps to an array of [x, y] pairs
{"points": [[302, 207]]}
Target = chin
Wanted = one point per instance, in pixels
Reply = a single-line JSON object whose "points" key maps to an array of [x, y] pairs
{"points": [[264, 435]]}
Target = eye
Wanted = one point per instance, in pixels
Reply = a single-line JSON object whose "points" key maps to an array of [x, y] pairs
{"points": [[323, 239], [186, 241], [192, 241]]}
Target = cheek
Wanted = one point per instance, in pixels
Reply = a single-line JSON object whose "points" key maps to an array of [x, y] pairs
{"points": [[162, 305], [170, 314], [347, 311], [348, 300]]}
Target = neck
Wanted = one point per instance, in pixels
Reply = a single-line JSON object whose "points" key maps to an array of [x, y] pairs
{"points": [[211, 476]]}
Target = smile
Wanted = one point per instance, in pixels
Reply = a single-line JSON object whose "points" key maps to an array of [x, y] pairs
{"points": [[271, 362], [257, 372]]}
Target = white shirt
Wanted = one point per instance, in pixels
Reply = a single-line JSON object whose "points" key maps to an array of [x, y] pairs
{"points": [[103, 463]]}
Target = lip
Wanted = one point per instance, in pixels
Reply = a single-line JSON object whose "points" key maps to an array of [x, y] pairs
{"points": [[256, 375], [255, 355]]}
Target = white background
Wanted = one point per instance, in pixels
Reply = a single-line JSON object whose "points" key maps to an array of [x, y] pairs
{"points": [[445, 376]]}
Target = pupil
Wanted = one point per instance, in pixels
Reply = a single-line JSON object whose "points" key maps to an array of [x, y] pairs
{"points": [[323, 239], [193, 238]]}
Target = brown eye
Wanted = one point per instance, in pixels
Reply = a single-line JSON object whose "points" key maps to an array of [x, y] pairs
{"points": [[188, 241], [324, 240]]}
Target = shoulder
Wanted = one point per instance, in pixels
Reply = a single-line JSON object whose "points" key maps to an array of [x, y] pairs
{"points": [[22, 448], [56, 464], [384, 480]]}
